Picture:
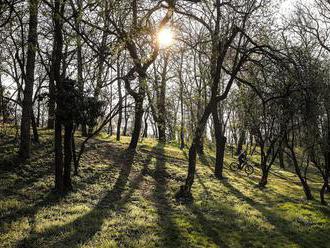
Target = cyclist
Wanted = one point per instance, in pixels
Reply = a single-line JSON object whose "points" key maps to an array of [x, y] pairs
{"points": [[241, 158]]}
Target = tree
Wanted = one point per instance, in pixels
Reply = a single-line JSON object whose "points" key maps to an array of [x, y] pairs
{"points": [[61, 185], [25, 145], [222, 37]]}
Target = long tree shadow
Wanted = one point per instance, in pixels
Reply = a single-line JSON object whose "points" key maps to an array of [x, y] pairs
{"points": [[207, 160], [26, 173], [283, 226], [44, 198], [170, 231], [81, 230], [210, 228]]}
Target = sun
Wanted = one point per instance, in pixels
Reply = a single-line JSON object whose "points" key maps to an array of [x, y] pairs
{"points": [[165, 37]]}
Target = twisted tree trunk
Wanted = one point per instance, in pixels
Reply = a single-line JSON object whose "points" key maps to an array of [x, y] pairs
{"points": [[137, 121]]}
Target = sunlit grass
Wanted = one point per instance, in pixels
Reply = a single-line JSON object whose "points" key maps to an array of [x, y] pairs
{"points": [[113, 205]]}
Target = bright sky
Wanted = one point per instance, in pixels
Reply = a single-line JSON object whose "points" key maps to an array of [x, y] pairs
{"points": [[285, 9], [288, 5]]}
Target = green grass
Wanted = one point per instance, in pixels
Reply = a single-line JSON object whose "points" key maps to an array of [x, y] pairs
{"points": [[120, 200]]}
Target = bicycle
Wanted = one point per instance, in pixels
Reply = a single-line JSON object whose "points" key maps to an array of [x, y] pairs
{"points": [[248, 168]]}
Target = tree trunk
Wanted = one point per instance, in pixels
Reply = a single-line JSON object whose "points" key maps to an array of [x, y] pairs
{"points": [[58, 41], [68, 128], [38, 114], [126, 117], [182, 142], [306, 188], [264, 177], [100, 65], [51, 104], [241, 141], [3, 106], [281, 157], [220, 140], [137, 122], [59, 186], [323, 190], [25, 145], [161, 133], [74, 155], [80, 80], [200, 146], [145, 131], [303, 180], [161, 109], [120, 113], [52, 89], [200, 143], [185, 190], [220, 153], [110, 129], [35, 129]]}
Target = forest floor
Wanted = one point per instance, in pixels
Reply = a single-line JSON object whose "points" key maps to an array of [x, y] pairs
{"points": [[125, 200]]}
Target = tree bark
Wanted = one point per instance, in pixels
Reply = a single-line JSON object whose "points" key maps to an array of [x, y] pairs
{"points": [[241, 141], [38, 114], [145, 131], [67, 156], [81, 84], [264, 170], [281, 158], [120, 113], [51, 102], [58, 46], [303, 180], [126, 117], [59, 186], [185, 190], [182, 141], [74, 155], [101, 60], [34, 129], [220, 140], [25, 145], [323, 190], [52, 88], [161, 109], [137, 122], [264, 178]]}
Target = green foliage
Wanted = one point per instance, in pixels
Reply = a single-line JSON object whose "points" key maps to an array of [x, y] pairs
{"points": [[76, 106]]}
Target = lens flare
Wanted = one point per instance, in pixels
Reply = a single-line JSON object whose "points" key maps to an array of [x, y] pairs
{"points": [[165, 37]]}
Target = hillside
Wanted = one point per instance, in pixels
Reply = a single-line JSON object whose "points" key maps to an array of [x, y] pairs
{"points": [[125, 200]]}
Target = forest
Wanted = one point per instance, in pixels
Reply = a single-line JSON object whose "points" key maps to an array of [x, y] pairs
{"points": [[175, 123]]}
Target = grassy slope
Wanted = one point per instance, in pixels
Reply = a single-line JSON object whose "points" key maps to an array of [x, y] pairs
{"points": [[121, 201]]}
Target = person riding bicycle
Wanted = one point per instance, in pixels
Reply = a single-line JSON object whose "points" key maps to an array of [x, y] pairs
{"points": [[242, 158]]}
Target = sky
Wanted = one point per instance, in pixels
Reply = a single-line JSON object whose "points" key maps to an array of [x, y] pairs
{"points": [[288, 5], [286, 8]]}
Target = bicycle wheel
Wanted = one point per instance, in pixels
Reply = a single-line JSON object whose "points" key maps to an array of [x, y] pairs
{"points": [[234, 166], [249, 169]]}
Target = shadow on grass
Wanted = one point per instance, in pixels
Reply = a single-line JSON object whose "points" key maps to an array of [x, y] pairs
{"points": [[207, 160], [209, 227], [170, 232], [17, 180], [81, 230], [282, 226]]}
